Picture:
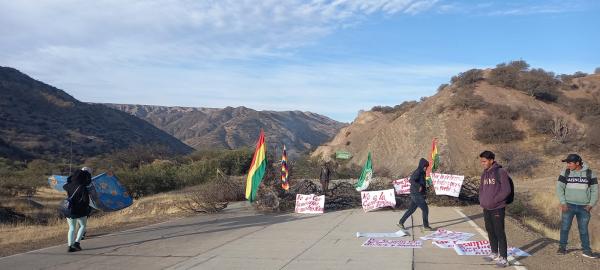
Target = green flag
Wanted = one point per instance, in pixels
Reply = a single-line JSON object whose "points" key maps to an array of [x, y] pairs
{"points": [[365, 175]]}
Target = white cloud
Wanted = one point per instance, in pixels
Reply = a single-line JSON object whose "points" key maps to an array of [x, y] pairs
{"points": [[201, 53], [175, 31]]}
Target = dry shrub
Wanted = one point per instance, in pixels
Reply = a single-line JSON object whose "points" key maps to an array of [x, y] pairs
{"points": [[465, 99], [468, 78], [490, 130], [214, 196], [500, 111], [517, 160]]}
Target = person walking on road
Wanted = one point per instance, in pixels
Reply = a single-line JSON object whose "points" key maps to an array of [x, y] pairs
{"points": [[577, 191], [79, 208], [418, 193]]}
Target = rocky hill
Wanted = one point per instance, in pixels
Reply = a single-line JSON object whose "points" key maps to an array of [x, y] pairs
{"points": [[41, 121], [231, 128], [530, 117]]}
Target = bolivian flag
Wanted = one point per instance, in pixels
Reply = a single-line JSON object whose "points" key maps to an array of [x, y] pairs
{"points": [[434, 161], [257, 168]]}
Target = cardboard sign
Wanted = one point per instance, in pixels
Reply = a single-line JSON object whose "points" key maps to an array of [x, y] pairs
{"points": [[372, 200], [402, 186], [310, 204], [447, 184], [392, 243], [482, 248], [442, 234], [399, 233]]}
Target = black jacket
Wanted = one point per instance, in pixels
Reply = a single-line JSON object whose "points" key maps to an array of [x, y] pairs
{"points": [[417, 179], [325, 174], [80, 203]]}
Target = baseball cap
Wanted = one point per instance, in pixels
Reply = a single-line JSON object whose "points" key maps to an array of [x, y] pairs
{"points": [[572, 158]]}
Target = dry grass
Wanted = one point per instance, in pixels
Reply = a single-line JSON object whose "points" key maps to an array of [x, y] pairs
{"points": [[152, 208], [542, 213]]}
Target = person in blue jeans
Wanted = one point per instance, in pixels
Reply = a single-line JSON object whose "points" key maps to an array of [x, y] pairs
{"points": [[577, 191], [418, 189]]}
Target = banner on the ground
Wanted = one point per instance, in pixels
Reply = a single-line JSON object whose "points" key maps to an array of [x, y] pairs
{"points": [[402, 186], [447, 184], [443, 243], [372, 200], [477, 248], [442, 234], [399, 233], [310, 204], [371, 242]]}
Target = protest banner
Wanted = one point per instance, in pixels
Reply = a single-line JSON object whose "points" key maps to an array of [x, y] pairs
{"points": [[310, 204], [476, 248], [399, 233], [372, 200], [444, 243], [447, 184], [371, 242], [402, 186], [442, 234]]}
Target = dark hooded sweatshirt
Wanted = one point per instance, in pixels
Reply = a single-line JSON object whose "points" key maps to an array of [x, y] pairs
{"points": [[417, 179], [493, 192], [77, 184]]}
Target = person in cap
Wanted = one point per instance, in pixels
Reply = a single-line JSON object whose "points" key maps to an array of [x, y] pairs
{"points": [[577, 191]]}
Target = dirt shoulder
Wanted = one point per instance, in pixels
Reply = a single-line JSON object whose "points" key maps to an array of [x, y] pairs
{"points": [[16, 248], [542, 249]]}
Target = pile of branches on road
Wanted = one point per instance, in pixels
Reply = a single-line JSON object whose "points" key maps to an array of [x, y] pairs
{"points": [[469, 194], [343, 195]]}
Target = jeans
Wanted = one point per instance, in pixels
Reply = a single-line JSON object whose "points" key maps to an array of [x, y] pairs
{"points": [[417, 200], [583, 219], [82, 224], [494, 225]]}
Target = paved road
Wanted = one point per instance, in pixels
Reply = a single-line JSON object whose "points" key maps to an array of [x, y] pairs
{"points": [[242, 239]]}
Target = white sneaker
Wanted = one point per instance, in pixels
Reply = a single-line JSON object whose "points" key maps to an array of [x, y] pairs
{"points": [[490, 258], [502, 262]]}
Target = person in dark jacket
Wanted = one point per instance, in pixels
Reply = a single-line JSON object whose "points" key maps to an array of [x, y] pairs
{"points": [[76, 188], [493, 193], [324, 177], [418, 189]]}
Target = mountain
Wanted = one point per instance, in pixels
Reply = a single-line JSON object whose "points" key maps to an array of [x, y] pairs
{"points": [[230, 128], [41, 121], [531, 118]]}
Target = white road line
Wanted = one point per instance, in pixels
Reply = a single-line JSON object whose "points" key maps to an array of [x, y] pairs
{"points": [[516, 264]]}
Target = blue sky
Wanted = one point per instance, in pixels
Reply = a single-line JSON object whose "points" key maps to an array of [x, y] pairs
{"points": [[329, 57]]}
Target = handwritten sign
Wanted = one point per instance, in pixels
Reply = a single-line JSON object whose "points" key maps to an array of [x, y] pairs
{"points": [[310, 204], [447, 184], [372, 200], [443, 243], [402, 186], [371, 242], [475, 248], [442, 234], [399, 233]]}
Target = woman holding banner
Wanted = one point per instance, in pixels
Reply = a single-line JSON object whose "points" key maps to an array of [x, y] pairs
{"points": [[417, 196]]}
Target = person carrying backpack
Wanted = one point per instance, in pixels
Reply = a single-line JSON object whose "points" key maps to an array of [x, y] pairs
{"points": [[577, 191], [495, 192], [78, 206]]}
